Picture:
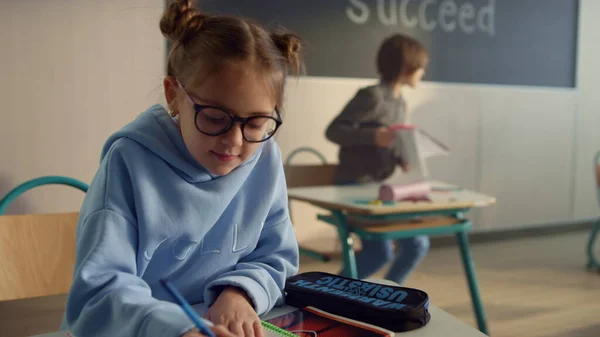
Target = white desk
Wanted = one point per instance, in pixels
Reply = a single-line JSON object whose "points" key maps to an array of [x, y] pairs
{"points": [[442, 324], [348, 203], [352, 199]]}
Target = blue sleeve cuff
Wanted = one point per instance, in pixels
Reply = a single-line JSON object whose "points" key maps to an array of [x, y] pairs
{"points": [[258, 295]]}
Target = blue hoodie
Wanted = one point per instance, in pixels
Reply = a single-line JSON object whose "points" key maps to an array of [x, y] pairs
{"points": [[153, 212]]}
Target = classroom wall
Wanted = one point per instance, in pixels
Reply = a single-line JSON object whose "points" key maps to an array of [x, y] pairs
{"points": [[587, 119], [531, 147], [72, 71], [78, 70]]}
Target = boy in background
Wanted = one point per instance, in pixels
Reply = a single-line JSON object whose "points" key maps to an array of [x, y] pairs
{"points": [[362, 130]]}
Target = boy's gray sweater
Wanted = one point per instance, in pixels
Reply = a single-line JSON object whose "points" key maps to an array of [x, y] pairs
{"points": [[360, 159]]}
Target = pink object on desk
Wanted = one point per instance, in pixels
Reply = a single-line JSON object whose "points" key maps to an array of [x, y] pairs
{"points": [[397, 127], [399, 192]]}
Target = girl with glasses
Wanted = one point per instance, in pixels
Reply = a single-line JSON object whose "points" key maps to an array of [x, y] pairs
{"points": [[194, 192]]}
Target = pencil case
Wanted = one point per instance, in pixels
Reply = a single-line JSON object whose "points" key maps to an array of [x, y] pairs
{"points": [[394, 308]]}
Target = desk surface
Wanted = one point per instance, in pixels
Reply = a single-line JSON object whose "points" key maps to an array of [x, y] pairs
{"points": [[354, 199], [441, 324]]}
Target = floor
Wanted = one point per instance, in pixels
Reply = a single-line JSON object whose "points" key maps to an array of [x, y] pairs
{"points": [[534, 287]]}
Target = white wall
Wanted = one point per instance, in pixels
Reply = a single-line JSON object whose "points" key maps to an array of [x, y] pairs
{"points": [[493, 131], [531, 147], [72, 71], [587, 119]]}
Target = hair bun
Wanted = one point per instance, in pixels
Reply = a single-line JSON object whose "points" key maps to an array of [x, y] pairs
{"points": [[181, 20], [290, 47]]}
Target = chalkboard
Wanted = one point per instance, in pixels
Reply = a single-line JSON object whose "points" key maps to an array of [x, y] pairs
{"points": [[512, 42]]}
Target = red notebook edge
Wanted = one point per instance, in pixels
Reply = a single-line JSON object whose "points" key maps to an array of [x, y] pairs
{"points": [[313, 322]]}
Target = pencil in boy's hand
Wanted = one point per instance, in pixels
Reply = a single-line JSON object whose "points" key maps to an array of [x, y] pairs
{"points": [[187, 308]]}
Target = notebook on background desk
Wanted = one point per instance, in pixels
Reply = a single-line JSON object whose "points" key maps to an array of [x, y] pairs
{"points": [[414, 146]]}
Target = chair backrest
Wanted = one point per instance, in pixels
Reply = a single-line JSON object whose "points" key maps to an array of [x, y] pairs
{"points": [[37, 254], [309, 175], [41, 181]]}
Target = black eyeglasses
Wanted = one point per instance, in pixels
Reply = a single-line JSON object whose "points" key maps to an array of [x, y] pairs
{"points": [[215, 121]]}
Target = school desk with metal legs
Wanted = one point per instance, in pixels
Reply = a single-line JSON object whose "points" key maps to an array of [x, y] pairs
{"points": [[441, 324], [351, 211], [593, 260]]}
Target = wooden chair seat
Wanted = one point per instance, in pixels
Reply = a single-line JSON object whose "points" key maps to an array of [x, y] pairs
{"points": [[307, 176], [32, 316], [37, 254]]}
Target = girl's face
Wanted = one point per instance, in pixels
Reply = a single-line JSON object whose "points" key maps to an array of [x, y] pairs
{"points": [[235, 90]]}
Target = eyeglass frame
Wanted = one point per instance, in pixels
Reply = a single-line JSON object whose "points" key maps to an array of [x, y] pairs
{"points": [[242, 120]]}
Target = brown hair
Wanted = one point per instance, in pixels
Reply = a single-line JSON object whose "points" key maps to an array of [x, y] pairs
{"points": [[202, 45], [398, 55]]}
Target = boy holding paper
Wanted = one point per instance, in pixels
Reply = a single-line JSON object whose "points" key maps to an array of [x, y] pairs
{"points": [[366, 141]]}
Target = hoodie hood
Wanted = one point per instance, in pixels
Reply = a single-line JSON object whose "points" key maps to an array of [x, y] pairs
{"points": [[156, 130]]}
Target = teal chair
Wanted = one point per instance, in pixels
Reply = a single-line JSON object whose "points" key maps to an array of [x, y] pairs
{"points": [[34, 238], [41, 181], [308, 175], [593, 261], [310, 150]]}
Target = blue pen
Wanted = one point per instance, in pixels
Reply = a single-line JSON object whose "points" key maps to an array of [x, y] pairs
{"points": [[187, 308]]}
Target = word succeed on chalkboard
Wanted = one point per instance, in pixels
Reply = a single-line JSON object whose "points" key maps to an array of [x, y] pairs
{"points": [[512, 42], [429, 15]]}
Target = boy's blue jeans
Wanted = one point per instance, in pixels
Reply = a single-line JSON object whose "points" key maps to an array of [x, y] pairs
{"points": [[376, 254]]}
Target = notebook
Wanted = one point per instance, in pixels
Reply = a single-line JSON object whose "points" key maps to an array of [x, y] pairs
{"points": [[312, 322], [272, 330], [415, 145]]}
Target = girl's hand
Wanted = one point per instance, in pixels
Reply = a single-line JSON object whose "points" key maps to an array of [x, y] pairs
{"points": [[233, 309], [219, 330]]}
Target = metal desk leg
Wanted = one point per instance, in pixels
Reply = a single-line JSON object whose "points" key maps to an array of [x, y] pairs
{"points": [[313, 254], [592, 261], [465, 252], [349, 262]]}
